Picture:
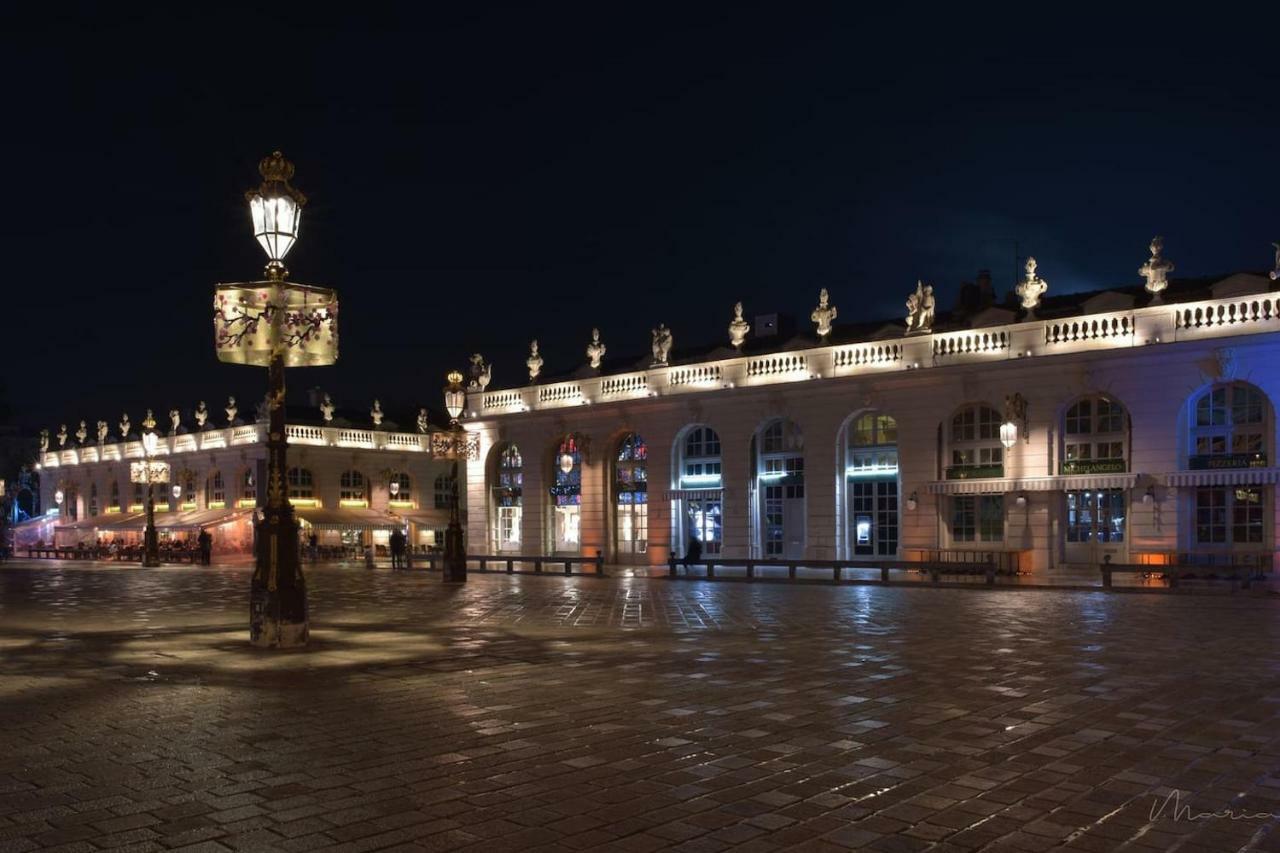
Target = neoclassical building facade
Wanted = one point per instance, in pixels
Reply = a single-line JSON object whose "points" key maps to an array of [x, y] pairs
{"points": [[1135, 423]]}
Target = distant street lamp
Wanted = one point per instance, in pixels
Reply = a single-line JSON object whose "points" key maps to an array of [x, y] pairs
{"points": [[149, 471], [276, 324], [456, 444], [177, 491]]}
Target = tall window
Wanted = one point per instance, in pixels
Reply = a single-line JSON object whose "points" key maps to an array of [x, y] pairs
{"points": [[400, 486], [139, 495], [508, 489], [566, 495], [93, 499], [444, 491], [1233, 515], [871, 484], [977, 518], [1229, 428], [301, 484], [215, 491], [631, 496], [780, 472], [1095, 435], [189, 487], [248, 486], [699, 473], [975, 444], [115, 496], [351, 486]]}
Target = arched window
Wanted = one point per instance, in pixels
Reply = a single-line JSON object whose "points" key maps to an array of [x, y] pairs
{"points": [[631, 496], [215, 491], [1229, 429], [115, 497], [400, 487], [974, 444], [93, 499], [444, 491], [871, 484], [701, 459], [248, 486], [780, 472], [507, 494], [1095, 437], [566, 495], [351, 487], [301, 484]]}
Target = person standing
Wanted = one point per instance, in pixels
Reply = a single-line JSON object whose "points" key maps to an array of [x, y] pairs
{"points": [[205, 542]]}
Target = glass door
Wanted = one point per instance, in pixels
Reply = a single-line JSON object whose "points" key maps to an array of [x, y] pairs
{"points": [[1095, 525]]}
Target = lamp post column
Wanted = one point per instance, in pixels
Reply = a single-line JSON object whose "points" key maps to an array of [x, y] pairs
{"points": [[150, 536], [278, 597]]}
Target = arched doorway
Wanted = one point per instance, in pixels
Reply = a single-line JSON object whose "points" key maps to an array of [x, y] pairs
{"points": [[778, 465], [698, 497], [631, 499], [506, 490], [566, 497], [1095, 442]]}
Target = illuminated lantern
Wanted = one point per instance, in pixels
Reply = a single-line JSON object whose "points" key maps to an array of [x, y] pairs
{"points": [[455, 397], [177, 491], [59, 497], [276, 207], [566, 462], [1008, 434]]}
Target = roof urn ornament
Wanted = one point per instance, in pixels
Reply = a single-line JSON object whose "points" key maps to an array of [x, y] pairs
{"points": [[661, 345], [534, 361], [1031, 288], [1275, 273], [231, 411], [1156, 270], [376, 414], [44, 441], [82, 432], [596, 349], [62, 436], [125, 426], [202, 415], [823, 314], [326, 409], [920, 308], [481, 373], [102, 432], [149, 422], [738, 327], [423, 425], [175, 421]]}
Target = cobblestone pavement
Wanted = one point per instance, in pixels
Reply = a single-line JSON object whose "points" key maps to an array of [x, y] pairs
{"points": [[522, 713]]}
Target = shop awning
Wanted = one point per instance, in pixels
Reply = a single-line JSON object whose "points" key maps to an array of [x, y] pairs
{"points": [[116, 521], [344, 518], [196, 518], [694, 494], [1001, 485], [426, 517], [1225, 477]]}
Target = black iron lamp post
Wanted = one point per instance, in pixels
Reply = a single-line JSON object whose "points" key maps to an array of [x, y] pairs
{"points": [[276, 324], [458, 445], [150, 471]]}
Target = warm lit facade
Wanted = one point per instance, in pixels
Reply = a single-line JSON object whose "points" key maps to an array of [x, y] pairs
{"points": [[1149, 430], [341, 482]]}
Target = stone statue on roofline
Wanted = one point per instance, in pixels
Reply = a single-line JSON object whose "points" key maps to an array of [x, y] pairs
{"points": [[534, 361], [175, 421], [595, 350], [1275, 273], [232, 410], [82, 432], [920, 308], [326, 409], [1156, 270], [202, 415], [125, 426], [62, 436], [661, 345], [1030, 289], [824, 314], [481, 373], [424, 426], [149, 422], [102, 432], [738, 327], [376, 414], [44, 441]]}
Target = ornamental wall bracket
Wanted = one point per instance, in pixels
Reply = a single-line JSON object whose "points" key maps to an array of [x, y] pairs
{"points": [[1226, 362]]}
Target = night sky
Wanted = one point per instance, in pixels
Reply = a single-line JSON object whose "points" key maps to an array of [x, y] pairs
{"points": [[486, 175]]}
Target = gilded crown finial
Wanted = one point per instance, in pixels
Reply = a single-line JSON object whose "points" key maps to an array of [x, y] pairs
{"points": [[276, 173]]}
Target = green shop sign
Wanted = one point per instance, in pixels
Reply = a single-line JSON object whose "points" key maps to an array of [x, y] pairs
{"points": [[974, 472], [1231, 460], [1093, 466]]}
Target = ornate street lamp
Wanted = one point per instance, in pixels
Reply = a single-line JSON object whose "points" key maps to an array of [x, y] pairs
{"points": [[1015, 412], [149, 471], [456, 444], [276, 324], [455, 397], [177, 491]]}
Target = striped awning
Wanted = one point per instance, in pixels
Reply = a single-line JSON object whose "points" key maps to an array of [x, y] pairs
{"points": [[1225, 477], [694, 494], [1063, 483], [347, 518]]}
